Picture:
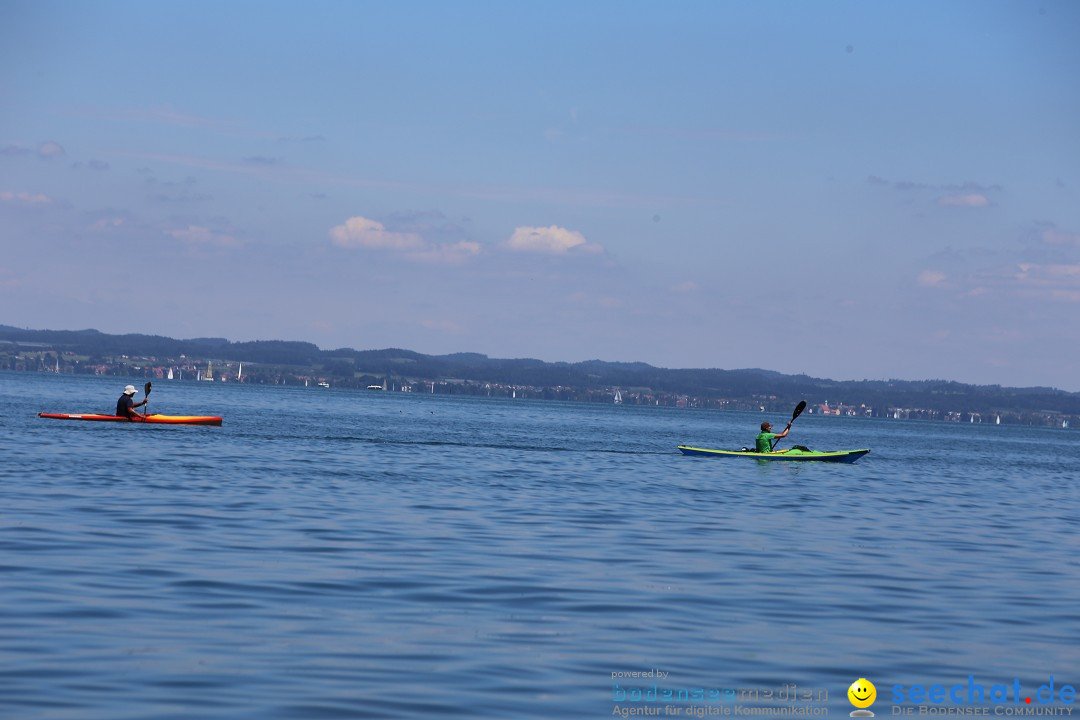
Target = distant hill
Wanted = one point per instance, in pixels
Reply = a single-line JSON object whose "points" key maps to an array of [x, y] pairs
{"points": [[746, 388]]}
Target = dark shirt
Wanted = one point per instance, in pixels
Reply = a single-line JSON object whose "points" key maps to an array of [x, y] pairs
{"points": [[125, 406]]}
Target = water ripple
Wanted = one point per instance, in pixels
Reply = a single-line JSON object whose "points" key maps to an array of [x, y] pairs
{"points": [[414, 557]]}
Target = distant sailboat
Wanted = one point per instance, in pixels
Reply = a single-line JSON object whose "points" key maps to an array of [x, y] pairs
{"points": [[618, 397], [240, 373], [209, 372], [169, 376]]}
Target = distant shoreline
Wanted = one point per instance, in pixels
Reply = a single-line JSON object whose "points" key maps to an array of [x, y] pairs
{"points": [[277, 362]]}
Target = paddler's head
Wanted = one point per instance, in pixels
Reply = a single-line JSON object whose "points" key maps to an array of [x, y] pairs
{"points": [[765, 426], [130, 390]]}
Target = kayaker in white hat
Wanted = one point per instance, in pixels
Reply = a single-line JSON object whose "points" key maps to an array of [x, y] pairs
{"points": [[125, 406]]}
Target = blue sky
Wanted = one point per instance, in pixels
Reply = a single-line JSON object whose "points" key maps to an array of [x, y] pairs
{"points": [[845, 189]]}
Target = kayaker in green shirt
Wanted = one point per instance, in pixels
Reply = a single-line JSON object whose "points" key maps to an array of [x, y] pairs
{"points": [[766, 437]]}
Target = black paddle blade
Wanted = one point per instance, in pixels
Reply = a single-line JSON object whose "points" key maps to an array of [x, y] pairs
{"points": [[798, 410], [146, 390]]}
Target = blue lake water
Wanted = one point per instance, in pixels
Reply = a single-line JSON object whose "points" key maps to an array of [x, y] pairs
{"points": [[351, 554]]}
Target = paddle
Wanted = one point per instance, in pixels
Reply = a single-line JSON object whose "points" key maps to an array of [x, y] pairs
{"points": [[146, 399], [798, 411]]}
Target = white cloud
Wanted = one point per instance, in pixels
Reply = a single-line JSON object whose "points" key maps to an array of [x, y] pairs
{"points": [[685, 287], [49, 150], [198, 235], [24, 198], [932, 278], [964, 200], [362, 232], [552, 240]]}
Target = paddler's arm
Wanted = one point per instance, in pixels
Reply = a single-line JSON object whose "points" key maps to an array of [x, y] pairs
{"points": [[786, 431], [131, 411]]}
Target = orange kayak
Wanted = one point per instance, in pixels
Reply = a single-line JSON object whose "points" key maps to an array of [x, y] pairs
{"points": [[150, 419]]}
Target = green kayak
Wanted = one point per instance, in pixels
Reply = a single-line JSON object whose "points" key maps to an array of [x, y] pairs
{"points": [[843, 456]]}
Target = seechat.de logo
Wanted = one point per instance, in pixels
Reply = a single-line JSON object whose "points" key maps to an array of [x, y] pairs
{"points": [[862, 695]]}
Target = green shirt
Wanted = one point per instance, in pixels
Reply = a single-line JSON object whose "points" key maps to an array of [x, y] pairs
{"points": [[764, 441]]}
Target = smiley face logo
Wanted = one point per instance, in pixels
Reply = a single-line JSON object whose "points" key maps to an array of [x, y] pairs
{"points": [[862, 693]]}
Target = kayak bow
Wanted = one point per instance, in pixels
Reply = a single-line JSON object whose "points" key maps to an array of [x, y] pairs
{"points": [[150, 419], [843, 456]]}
